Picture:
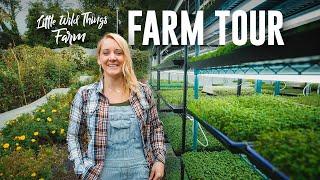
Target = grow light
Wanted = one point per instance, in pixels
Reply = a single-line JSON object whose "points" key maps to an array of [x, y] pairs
{"points": [[289, 78]]}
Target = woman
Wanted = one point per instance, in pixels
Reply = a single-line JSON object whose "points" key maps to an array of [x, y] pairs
{"points": [[125, 135]]}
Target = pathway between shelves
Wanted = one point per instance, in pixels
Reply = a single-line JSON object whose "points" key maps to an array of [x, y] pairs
{"points": [[173, 166]]}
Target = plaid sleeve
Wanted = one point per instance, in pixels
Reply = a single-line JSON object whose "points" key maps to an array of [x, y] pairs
{"points": [[157, 134], [73, 133]]}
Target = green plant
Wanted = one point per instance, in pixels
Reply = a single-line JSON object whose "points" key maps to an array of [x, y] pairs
{"points": [[217, 165], [26, 164], [92, 67], [172, 168], [175, 97], [295, 152], [222, 50], [243, 118], [231, 90], [77, 55], [313, 100], [8, 99], [141, 63], [47, 125], [177, 55], [31, 73]]}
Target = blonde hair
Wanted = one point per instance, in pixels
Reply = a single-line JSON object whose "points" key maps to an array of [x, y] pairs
{"points": [[131, 82]]}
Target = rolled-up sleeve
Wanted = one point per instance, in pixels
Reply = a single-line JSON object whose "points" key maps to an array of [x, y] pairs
{"points": [[76, 115]]}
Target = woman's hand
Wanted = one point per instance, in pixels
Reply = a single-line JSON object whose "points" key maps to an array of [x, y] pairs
{"points": [[157, 171]]}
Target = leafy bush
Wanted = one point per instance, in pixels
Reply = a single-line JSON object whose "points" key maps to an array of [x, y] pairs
{"points": [[173, 128], [8, 99], [26, 164], [77, 55], [93, 67], [296, 152], [141, 63], [31, 73], [217, 165]]}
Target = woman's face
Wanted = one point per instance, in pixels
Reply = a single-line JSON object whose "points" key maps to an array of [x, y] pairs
{"points": [[111, 57]]}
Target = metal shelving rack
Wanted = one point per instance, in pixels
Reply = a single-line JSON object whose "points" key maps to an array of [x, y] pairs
{"points": [[300, 54]]}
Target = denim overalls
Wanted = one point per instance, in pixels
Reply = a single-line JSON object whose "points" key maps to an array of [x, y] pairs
{"points": [[124, 154]]}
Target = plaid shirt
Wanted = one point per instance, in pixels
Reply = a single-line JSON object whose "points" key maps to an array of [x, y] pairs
{"points": [[87, 131]]}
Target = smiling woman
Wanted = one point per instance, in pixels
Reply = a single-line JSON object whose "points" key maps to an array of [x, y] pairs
{"points": [[126, 139], [111, 58]]}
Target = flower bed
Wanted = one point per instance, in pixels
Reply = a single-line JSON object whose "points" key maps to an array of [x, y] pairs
{"points": [[34, 146]]}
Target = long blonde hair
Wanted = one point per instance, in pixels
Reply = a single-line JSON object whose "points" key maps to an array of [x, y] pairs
{"points": [[131, 82]]}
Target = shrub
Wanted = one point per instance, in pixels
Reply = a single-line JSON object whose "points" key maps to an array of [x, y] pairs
{"points": [[8, 99], [77, 55], [141, 63], [31, 73], [92, 67], [26, 164]]}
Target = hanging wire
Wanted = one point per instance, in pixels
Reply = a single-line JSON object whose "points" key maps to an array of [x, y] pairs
{"points": [[253, 167], [305, 89], [285, 85], [204, 135]]}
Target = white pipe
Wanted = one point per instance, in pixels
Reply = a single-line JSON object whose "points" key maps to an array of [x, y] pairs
{"points": [[289, 78]]}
